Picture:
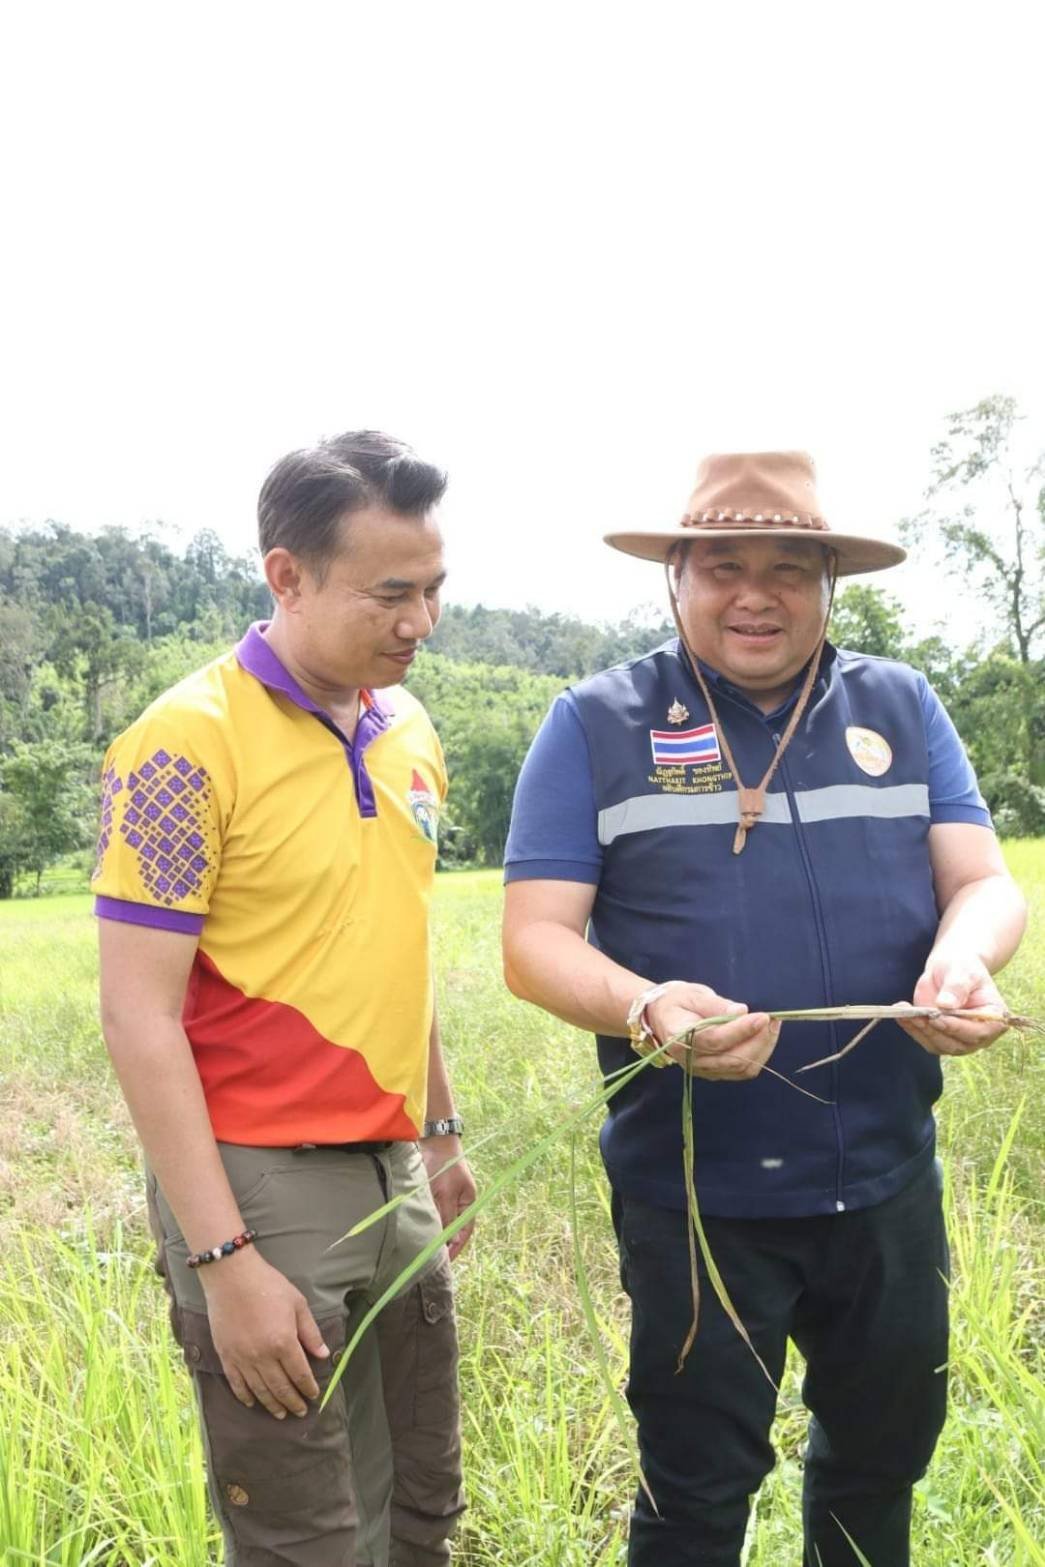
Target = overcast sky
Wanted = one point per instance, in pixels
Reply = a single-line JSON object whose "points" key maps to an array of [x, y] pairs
{"points": [[564, 249]]}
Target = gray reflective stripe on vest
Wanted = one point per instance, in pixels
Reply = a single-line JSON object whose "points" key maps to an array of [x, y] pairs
{"points": [[647, 812]]}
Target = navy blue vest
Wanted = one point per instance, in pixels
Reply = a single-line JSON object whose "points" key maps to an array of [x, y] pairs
{"points": [[831, 903]]}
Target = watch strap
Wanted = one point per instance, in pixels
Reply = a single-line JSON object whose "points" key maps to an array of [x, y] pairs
{"points": [[449, 1126]]}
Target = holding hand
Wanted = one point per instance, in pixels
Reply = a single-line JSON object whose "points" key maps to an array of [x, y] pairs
{"points": [[956, 980], [732, 1052]]}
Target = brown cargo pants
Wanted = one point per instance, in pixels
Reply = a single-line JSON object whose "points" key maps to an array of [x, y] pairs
{"points": [[374, 1480]]}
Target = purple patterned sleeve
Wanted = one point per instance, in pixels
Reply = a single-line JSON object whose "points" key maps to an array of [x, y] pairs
{"points": [[158, 842]]}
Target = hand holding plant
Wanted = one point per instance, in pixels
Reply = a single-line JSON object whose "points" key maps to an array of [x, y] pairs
{"points": [[957, 980], [731, 1051]]}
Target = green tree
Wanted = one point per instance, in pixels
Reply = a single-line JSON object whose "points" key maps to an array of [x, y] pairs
{"points": [[486, 716], [987, 515], [868, 621], [553, 644], [487, 759], [999, 709], [91, 647], [47, 806], [21, 646]]}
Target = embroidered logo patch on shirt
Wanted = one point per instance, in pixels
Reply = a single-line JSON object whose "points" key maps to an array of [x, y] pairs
{"points": [[675, 749], [425, 806], [871, 751]]}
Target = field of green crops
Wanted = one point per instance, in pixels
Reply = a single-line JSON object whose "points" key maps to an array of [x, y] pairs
{"points": [[99, 1457]]}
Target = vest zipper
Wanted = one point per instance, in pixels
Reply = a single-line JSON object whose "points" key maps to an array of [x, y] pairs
{"points": [[825, 968]]}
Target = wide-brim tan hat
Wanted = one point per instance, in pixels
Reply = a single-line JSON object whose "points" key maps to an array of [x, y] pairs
{"points": [[750, 495]]}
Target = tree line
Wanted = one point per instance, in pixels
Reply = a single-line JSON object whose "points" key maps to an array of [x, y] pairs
{"points": [[94, 626]]}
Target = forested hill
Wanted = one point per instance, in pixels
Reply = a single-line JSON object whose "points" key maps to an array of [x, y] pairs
{"points": [[65, 595], [545, 644], [94, 626]]}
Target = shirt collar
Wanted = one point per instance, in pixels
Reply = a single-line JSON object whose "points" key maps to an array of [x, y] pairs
{"points": [[720, 683], [256, 656]]}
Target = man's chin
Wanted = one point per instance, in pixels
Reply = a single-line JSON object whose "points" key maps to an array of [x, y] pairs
{"points": [[389, 671]]}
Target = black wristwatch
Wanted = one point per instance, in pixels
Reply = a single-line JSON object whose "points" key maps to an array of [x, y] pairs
{"points": [[452, 1126]]}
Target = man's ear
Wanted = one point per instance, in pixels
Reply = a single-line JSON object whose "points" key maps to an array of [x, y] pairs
{"points": [[284, 573]]}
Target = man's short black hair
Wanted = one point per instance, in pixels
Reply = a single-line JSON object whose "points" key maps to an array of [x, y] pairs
{"points": [[308, 492]]}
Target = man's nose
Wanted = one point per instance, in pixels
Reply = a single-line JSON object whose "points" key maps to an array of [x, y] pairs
{"points": [[755, 591], [416, 623]]}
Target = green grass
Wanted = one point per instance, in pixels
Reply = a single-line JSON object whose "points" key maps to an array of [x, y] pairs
{"points": [[100, 1461]]}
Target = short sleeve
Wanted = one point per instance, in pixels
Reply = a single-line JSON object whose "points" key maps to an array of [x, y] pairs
{"points": [[554, 830], [159, 841], [954, 794]]}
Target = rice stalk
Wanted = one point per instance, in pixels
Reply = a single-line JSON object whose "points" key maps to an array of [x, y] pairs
{"points": [[695, 1227], [580, 1273], [654, 1056], [857, 1552]]}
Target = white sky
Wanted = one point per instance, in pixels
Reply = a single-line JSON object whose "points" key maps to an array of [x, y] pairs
{"points": [[564, 249]]}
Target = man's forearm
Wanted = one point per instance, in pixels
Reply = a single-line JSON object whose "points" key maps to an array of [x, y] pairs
{"points": [[154, 1063], [985, 917], [556, 969], [439, 1104]]}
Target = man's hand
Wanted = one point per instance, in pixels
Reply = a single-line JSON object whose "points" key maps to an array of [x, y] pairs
{"points": [[264, 1332], [955, 979], [453, 1190], [732, 1052]]}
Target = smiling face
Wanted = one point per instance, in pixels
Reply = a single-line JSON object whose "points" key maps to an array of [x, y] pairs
{"points": [[754, 610], [360, 622]]}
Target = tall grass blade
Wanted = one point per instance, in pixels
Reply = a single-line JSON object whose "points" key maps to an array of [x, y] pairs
{"points": [[696, 1223], [857, 1552], [395, 1202], [691, 1237], [580, 1273], [1002, 1158], [508, 1175]]}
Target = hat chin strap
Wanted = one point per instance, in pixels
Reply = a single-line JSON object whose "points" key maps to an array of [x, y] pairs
{"points": [[752, 802]]}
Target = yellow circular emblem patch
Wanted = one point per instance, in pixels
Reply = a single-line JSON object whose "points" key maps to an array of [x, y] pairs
{"points": [[871, 752]]}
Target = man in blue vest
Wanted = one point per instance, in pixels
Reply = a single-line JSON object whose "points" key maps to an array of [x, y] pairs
{"points": [[749, 820]]}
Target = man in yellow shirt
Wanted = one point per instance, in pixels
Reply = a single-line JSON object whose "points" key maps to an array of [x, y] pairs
{"points": [[265, 865]]}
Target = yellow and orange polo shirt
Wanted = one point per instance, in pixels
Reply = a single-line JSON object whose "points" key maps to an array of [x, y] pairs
{"points": [[234, 809]]}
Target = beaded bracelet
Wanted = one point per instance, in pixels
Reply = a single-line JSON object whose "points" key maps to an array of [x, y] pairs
{"points": [[197, 1259]]}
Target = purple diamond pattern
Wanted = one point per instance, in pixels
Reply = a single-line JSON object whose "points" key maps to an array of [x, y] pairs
{"points": [[112, 785], [166, 823]]}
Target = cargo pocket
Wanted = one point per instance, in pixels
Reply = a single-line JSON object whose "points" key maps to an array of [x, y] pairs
{"points": [[282, 1488], [436, 1365], [419, 1365]]}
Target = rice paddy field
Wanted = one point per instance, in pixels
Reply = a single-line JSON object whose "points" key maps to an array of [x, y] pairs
{"points": [[99, 1457]]}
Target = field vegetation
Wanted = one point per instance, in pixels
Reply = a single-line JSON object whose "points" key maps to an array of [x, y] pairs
{"points": [[100, 1460]]}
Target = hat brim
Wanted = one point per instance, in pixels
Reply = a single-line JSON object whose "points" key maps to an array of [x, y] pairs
{"points": [[854, 554]]}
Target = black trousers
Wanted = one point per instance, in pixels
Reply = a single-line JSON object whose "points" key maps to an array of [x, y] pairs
{"points": [[863, 1296]]}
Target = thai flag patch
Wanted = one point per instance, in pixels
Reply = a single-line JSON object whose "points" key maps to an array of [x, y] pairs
{"points": [[675, 748]]}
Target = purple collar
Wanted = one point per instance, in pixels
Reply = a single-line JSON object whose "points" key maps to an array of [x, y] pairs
{"points": [[255, 655]]}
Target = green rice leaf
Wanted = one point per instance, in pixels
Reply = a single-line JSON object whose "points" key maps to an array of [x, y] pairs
{"points": [[580, 1273]]}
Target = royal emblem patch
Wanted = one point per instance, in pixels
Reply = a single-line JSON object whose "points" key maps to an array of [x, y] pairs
{"points": [[871, 751], [425, 806], [677, 714], [686, 746]]}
